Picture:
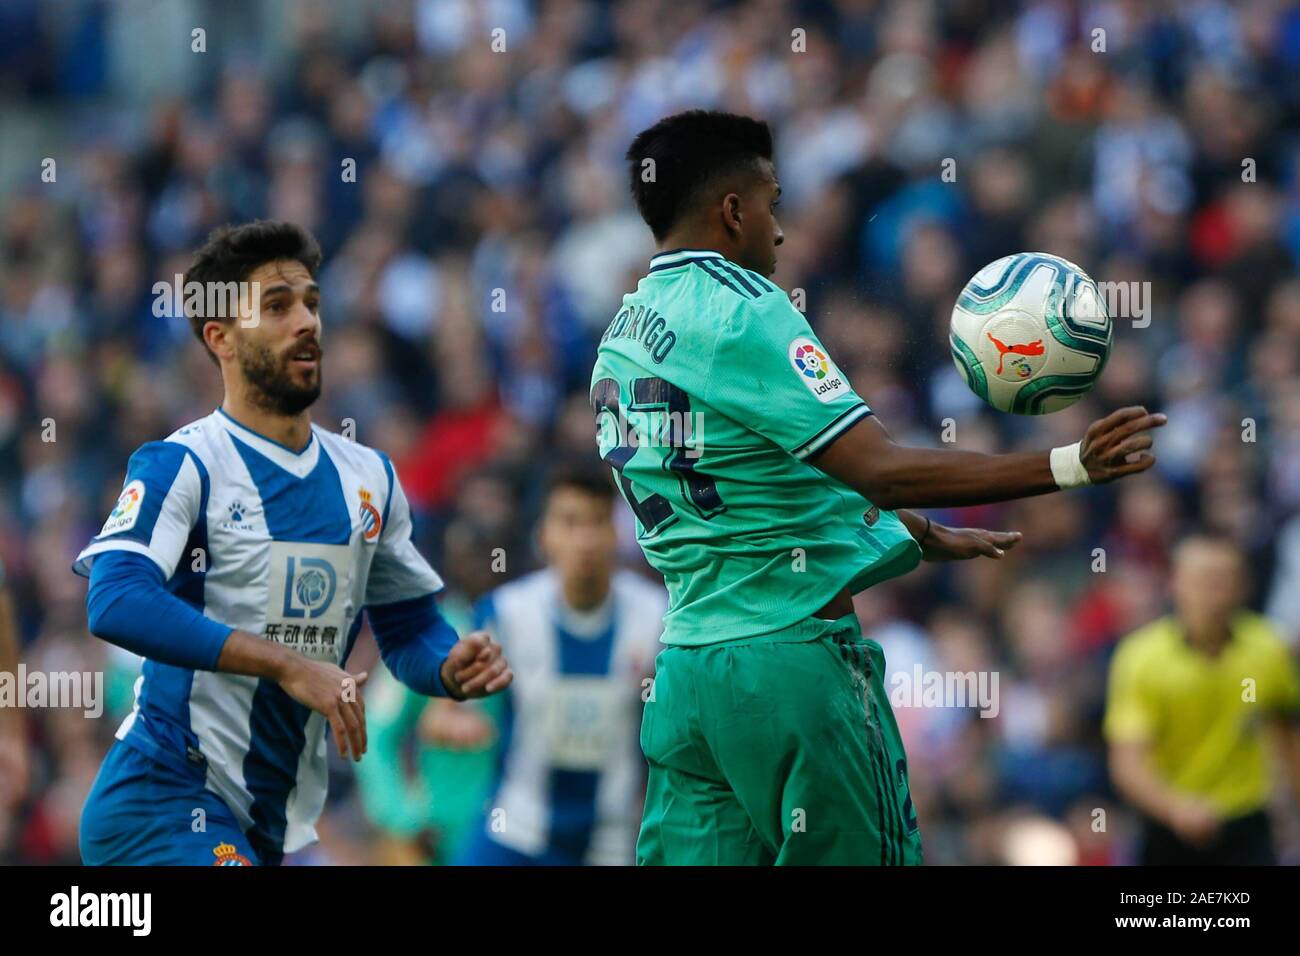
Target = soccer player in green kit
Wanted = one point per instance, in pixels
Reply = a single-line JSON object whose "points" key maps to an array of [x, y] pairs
{"points": [[767, 494]]}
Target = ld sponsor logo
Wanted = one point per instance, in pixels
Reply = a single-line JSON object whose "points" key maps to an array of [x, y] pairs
{"points": [[310, 584], [309, 599]]}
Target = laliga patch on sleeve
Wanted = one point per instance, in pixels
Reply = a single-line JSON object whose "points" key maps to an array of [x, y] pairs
{"points": [[816, 370], [127, 510]]}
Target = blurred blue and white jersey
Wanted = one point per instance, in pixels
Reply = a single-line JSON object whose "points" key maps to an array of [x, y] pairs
{"points": [[572, 775], [288, 545]]}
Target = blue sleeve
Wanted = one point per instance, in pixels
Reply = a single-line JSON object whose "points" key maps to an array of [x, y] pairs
{"points": [[398, 572], [128, 605], [414, 639], [484, 612]]}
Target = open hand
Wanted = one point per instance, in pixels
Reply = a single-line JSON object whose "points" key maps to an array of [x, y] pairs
{"points": [[1116, 445], [941, 543], [331, 691]]}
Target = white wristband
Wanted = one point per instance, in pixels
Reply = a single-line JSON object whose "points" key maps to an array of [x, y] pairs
{"points": [[1067, 467]]}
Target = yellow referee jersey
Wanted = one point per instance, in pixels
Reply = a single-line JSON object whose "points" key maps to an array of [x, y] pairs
{"points": [[1203, 716]]}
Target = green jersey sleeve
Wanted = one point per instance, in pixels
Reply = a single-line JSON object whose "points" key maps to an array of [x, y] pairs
{"points": [[770, 372]]}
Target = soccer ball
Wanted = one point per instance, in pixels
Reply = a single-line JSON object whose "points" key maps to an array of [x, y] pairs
{"points": [[1030, 333]]}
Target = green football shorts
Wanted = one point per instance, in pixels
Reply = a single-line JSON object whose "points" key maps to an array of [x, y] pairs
{"points": [[780, 749]]}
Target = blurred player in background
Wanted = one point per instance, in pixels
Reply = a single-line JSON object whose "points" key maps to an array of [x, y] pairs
{"points": [[581, 638], [429, 769], [238, 561], [767, 494], [432, 764], [1194, 699]]}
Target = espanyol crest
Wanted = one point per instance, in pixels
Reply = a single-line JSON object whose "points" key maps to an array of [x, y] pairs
{"points": [[368, 515]]}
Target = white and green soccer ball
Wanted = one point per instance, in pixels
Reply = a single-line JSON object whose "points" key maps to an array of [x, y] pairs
{"points": [[1030, 333]]}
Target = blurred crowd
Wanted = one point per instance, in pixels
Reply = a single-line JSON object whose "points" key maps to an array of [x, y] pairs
{"points": [[487, 237]]}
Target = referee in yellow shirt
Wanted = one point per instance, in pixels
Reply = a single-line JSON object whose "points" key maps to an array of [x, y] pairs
{"points": [[1192, 702]]}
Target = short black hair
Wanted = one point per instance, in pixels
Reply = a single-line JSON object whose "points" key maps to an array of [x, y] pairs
{"points": [[232, 253], [587, 475], [690, 151]]}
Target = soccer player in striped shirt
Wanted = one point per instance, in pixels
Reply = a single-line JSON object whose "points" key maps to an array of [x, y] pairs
{"points": [[582, 637], [238, 561], [767, 494]]}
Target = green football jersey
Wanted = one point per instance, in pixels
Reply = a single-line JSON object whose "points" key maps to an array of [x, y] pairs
{"points": [[710, 392]]}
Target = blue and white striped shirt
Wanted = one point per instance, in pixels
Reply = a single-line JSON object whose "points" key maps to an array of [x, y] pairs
{"points": [[572, 775], [288, 545]]}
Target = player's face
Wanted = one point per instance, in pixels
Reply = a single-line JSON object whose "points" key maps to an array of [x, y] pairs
{"points": [[762, 234], [1207, 582], [280, 355], [577, 533]]}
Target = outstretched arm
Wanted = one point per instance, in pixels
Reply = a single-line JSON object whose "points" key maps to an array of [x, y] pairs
{"points": [[895, 476], [940, 543]]}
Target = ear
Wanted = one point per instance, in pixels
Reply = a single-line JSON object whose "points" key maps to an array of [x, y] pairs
{"points": [[732, 218], [216, 335]]}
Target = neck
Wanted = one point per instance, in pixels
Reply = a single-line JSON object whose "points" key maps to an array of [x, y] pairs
{"points": [[292, 431], [1207, 636], [693, 239], [585, 594]]}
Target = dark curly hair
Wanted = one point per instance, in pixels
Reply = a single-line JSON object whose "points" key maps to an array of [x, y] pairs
{"points": [[232, 253]]}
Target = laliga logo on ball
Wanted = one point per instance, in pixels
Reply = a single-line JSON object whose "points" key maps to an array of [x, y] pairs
{"points": [[1030, 333], [1021, 367]]}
